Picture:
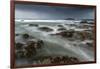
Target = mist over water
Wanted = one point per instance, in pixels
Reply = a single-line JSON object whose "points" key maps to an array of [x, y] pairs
{"points": [[54, 45]]}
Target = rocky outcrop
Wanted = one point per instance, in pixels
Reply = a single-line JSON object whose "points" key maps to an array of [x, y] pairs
{"points": [[29, 50], [57, 60]]}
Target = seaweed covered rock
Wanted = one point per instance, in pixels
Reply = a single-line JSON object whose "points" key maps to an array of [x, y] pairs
{"points": [[36, 25], [25, 36], [18, 46], [46, 29]]}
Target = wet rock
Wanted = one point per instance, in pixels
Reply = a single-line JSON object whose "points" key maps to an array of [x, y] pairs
{"points": [[20, 54], [16, 34], [36, 25], [30, 50], [73, 60], [66, 34], [84, 21], [60, 29], [60, 25], [89, 44], [25, 36], [18, 46], [46, 29], [40, 43]]}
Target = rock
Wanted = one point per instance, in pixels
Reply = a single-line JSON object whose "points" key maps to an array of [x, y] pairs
{"points": [[73, 60], [84, 21], [30, 51], [61, 29], [18, 46], [16, 34], [36, 25], [25, 36], [46, 29], [66, 33], [40, 43], [60, 25], [20, 54], [89, 44]]}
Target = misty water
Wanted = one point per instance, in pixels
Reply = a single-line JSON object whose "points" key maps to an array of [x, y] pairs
{"points": [[53, 45]]}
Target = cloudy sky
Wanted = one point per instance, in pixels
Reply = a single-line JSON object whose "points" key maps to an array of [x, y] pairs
{"points": [[51, 12]]}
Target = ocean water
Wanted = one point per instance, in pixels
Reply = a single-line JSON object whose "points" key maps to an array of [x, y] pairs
{"points": [[53, 45]]}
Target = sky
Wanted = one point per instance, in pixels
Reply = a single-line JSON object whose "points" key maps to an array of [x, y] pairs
{"points": [[41, 12]]}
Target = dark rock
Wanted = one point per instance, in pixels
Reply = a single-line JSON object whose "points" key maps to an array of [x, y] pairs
{"points": [[73, 60], [36, 25], [25, 36], [31, 48], [16, 34], [47, 29], [66, 33], [20, 54], [70, 19], [84, 21], [60, 29], [60, 25], [89, 44], [40, 43], [30, 51], [18, 46]]}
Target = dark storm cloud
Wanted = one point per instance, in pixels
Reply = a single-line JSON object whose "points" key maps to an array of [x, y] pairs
{"points": [[52, 12]]}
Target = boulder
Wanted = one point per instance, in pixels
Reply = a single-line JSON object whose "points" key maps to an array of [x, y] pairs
{"points": [[40, 43], [61, 29], [60, 25], [18, 46], [46, 29], [25, 36], [20, 54], [36, 25], [16, 34], [66, 34]]}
